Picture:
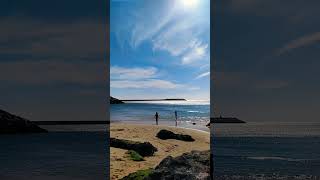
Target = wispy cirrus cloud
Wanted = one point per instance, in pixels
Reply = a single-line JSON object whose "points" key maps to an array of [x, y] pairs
{"points": [[147, 83], [141, 78], [197, 51], [170, 29], [133, 73], [64, 40], [292, 11], [300, 42], [52, 72], [156, 46], [51, 53], [203, 75]]}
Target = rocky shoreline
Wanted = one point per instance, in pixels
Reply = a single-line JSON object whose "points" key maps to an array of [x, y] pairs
{"points": [[12, 124]]}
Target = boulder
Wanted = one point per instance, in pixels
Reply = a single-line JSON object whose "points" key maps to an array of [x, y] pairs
{"points": [[194, 165], [11, 124], [165, 134], [144, 149]]}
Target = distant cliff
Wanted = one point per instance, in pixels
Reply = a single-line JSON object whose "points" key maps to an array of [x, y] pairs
{"points": [[115, 101], [12, 124]]}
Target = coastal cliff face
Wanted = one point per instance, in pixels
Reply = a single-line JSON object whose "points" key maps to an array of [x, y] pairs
{"points": [[115, 101], [12, 124], [193, 166]]}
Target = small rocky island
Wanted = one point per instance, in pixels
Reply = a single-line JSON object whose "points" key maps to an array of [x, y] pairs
{"points": [[115, 101], [12, 124], [118, 101]]}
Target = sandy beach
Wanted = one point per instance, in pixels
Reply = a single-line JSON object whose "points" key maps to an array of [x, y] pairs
{"points": [[121, 165]]}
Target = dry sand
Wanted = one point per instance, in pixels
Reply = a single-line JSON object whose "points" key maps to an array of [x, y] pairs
{"points": [[121, 165]]}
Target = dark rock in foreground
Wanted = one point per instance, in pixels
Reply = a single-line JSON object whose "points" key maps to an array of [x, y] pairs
{"points": [[192, 166], [144, 149], [115, 101], [165, 134], [11, 124]]}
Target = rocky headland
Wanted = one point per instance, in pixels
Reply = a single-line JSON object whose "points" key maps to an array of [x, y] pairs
{"points": [[12, 124]]}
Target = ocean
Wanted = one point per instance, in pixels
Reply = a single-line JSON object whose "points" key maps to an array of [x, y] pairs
{"points": [[266, 151], [191, 114], [65, 155], [241, 151]]}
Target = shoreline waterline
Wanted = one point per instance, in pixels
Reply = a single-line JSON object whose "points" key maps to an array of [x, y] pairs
{"points": [[201, 128]]}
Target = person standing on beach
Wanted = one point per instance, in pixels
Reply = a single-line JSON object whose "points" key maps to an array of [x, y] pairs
{"points": [[157, 117], [176, 116]]}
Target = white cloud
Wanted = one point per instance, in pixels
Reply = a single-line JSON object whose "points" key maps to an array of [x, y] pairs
{"points": [[139, 77], [176, 38], [203, 75], [64, 40], [170, 29], [148, 83], [52, 72], [148, 23], [132, 73], [197, 52], [182, 39]]}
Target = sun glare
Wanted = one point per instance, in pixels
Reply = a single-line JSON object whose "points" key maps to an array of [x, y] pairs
{"points": [[189, 4]]}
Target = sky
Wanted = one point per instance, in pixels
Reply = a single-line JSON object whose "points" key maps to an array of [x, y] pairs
{"points": [[53, 59], [160, 49], [267, 60]]}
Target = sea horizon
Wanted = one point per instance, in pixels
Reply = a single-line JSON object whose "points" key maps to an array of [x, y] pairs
{"points": [[266, 150], [267, 129], [191, 114]]}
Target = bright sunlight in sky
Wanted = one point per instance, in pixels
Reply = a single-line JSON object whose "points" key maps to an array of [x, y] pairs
{"points": [[160, 49]]}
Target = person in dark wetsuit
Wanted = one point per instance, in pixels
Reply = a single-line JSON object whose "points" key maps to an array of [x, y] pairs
{"points": [[156, 117], [176, 116]]}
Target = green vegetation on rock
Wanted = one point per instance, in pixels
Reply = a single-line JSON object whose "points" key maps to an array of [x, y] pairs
{"points": [[139, 175], [135, 156]]}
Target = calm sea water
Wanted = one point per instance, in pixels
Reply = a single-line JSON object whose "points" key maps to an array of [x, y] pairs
{"points": [[266, 151], [191, 114], [54, 155]]}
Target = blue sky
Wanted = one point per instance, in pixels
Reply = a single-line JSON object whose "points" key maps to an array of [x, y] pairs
{"points": [[52, 59], [267, 60], [160, 49]]}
